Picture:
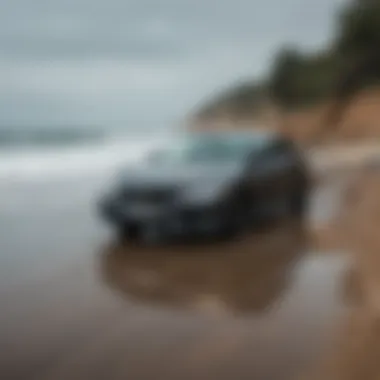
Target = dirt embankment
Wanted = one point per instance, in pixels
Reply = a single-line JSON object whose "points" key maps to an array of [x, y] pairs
{"points": [[357, 230], [360, 121]]}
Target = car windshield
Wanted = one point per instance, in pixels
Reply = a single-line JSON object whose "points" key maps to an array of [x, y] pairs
{"points": [[205, 149]]}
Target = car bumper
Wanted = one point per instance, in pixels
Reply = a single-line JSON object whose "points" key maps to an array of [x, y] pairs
{"points": [[175, 221]]}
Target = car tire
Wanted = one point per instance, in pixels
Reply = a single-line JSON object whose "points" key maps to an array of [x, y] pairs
{"points": [[127, 232], [238, 221], [298, 203]]}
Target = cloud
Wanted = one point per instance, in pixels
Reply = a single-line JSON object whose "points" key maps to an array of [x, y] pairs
{"points": [[92, 79], [170, 28], [104, 61]]}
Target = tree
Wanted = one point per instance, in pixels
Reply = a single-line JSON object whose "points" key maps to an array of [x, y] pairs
{"points": [[283, 78], [358, 48], [299, 80]]}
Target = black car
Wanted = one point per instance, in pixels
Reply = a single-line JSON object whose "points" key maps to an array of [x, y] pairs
{"points": [[210, 184]]}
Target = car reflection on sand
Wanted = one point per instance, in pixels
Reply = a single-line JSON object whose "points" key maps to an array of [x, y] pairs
{"points": [[264, 307], [248, 276]]}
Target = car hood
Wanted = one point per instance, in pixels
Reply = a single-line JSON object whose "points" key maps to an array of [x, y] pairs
{"points": [[179, 176]]}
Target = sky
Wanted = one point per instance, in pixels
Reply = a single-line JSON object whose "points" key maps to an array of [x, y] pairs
{"points": [[140, 64]]}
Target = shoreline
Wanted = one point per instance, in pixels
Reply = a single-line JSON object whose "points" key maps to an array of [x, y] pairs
{"points": [[104, 311]]}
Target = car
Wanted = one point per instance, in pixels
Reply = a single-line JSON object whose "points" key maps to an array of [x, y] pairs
{"points": [[208, 184]]}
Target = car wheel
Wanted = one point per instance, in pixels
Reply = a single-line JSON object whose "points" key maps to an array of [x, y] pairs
{"points": [[238, 220], [298, 203], [128, 232]]}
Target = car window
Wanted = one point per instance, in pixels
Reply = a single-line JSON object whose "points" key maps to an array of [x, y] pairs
{"points": [[277, 156], [204, 149], [280, 149]]}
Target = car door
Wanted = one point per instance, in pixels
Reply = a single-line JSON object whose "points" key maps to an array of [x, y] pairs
{"points": [[271, 178], [283, 168]]}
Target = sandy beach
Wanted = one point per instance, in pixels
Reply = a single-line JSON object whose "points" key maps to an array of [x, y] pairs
{"points": [[77, 304]]}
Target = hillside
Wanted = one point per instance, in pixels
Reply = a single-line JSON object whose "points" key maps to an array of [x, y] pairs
{"points": [[334, 90], [361, 121]]}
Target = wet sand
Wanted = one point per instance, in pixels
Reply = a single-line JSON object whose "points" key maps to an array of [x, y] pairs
{"points": [[77, 305]]}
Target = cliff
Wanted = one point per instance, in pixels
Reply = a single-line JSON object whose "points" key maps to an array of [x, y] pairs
{"points": [[360, 121]]}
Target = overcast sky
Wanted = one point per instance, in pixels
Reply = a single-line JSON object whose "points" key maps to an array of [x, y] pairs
{"points": [[140, 63]]}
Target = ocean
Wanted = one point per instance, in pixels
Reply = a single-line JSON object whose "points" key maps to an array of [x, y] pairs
{"points": [[38, 154]]}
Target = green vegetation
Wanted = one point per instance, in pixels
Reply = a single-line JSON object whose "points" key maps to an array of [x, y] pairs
{"points": [[243, 100], [350, 63], [298, 80]]}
